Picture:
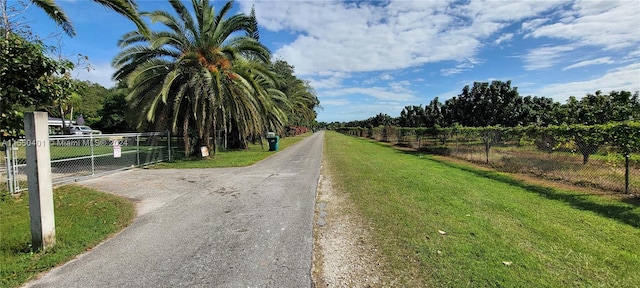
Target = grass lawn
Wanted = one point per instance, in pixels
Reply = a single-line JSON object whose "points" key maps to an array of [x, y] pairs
{"points": [[234, 158], [450, 225], [84, 218]]}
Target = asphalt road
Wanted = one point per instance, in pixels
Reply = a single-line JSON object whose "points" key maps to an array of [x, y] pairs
{"points": [[228, 227]]}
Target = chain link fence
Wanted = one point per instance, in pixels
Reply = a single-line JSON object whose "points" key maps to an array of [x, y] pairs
{"points": [[77, 157], [599, 166]]}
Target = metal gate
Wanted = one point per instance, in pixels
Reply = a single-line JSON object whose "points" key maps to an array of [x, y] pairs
{"points": [[74, 157]]}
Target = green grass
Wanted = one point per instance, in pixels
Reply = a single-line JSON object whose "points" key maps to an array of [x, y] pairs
{"points": [[84, 218], [550, 237], [233, 158]]}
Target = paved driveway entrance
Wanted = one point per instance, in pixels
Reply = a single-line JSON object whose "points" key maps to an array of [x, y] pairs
{"points": [[229, 227]]}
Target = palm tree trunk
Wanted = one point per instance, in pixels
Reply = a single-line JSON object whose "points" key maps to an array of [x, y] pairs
{"points": [[185, 135], [215, 134]]}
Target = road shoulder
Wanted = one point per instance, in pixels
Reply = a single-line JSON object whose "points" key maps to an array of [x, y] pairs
{"points": [[343, 254]]}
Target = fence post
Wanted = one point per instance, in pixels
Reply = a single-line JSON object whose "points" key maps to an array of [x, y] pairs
{"points": [[93, 158], [626, 173], [169, 143], [8, 147], [43, 231], [138, 149]]}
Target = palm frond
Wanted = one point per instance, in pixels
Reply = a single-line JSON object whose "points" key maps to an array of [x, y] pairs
{"points": [[56, 14]]}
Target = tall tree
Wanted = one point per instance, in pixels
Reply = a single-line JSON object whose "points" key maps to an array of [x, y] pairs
{"points": [[599, 108], [195, 72], [483, 105], [114, 112], [301, 97], [28, 80], [433, 113], [412, 116]]}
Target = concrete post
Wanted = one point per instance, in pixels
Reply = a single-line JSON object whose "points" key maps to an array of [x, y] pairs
{"points": [[43, 231]]}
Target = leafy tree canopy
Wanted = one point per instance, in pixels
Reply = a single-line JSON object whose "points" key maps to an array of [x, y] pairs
{"points": [[28, 79]]}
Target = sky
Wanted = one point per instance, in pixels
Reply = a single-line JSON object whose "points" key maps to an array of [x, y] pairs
{"points": [[369, 57]]}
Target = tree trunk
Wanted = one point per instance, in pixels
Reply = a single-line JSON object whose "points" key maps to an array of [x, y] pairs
{"points": [[487, 146], [64, 125], [185, 135], [206, 137], [586, 149]]}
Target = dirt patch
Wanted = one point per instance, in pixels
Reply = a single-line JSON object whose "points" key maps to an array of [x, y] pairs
{"points": [[343, 253]]}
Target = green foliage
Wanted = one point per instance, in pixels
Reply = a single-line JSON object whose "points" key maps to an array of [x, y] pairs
{"points": [[302, 99], [499, 104], [113, 114], [93, 97], [29, 78], [601, 108], [484, 104], [624, 136], [197, 76]]}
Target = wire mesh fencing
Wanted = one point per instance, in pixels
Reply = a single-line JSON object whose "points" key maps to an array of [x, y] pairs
{"points": [[601, 166], [77, 157]]}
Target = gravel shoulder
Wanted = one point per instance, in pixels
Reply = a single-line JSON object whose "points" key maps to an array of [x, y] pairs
{"points": [[344, 254]]}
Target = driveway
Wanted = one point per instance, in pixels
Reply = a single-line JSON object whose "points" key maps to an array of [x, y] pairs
{"points": [[226, 227]]}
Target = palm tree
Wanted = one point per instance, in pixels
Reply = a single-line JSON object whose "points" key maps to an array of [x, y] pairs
{"points": [[127, 8], [303, 101], [196, 72], [258, 109]]}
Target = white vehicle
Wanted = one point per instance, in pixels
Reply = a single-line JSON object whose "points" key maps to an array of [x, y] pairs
{"points": [[79, 130]]}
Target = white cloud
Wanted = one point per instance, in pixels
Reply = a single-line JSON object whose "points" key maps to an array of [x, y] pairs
{"points": [[333, 43], [376, 79], [336, 36], [602, 60], [607, 24], [100, 73], [622, 78], [379, 93], [465, 65], [334, 102], [386, 77], [451, 71], [324, 83], [545, 57], [503, 38]]}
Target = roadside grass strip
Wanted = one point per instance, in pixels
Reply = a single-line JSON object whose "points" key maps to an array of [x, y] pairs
{"points": [[233, 158], [84, 218], [439, 224]]}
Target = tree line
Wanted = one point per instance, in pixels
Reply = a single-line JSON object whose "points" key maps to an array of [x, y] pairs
{"points": [[205, 75], [499, 104]]}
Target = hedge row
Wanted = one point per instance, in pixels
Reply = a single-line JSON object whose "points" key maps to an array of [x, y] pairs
{"points": [[625, 136]]}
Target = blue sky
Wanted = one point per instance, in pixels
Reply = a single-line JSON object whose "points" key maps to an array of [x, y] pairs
{"points": [[365, 58]]}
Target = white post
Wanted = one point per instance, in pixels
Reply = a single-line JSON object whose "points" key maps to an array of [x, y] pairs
{"points": [[8, 152], [93, 159], [138, 149], [43, 230], [169, 143]]}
